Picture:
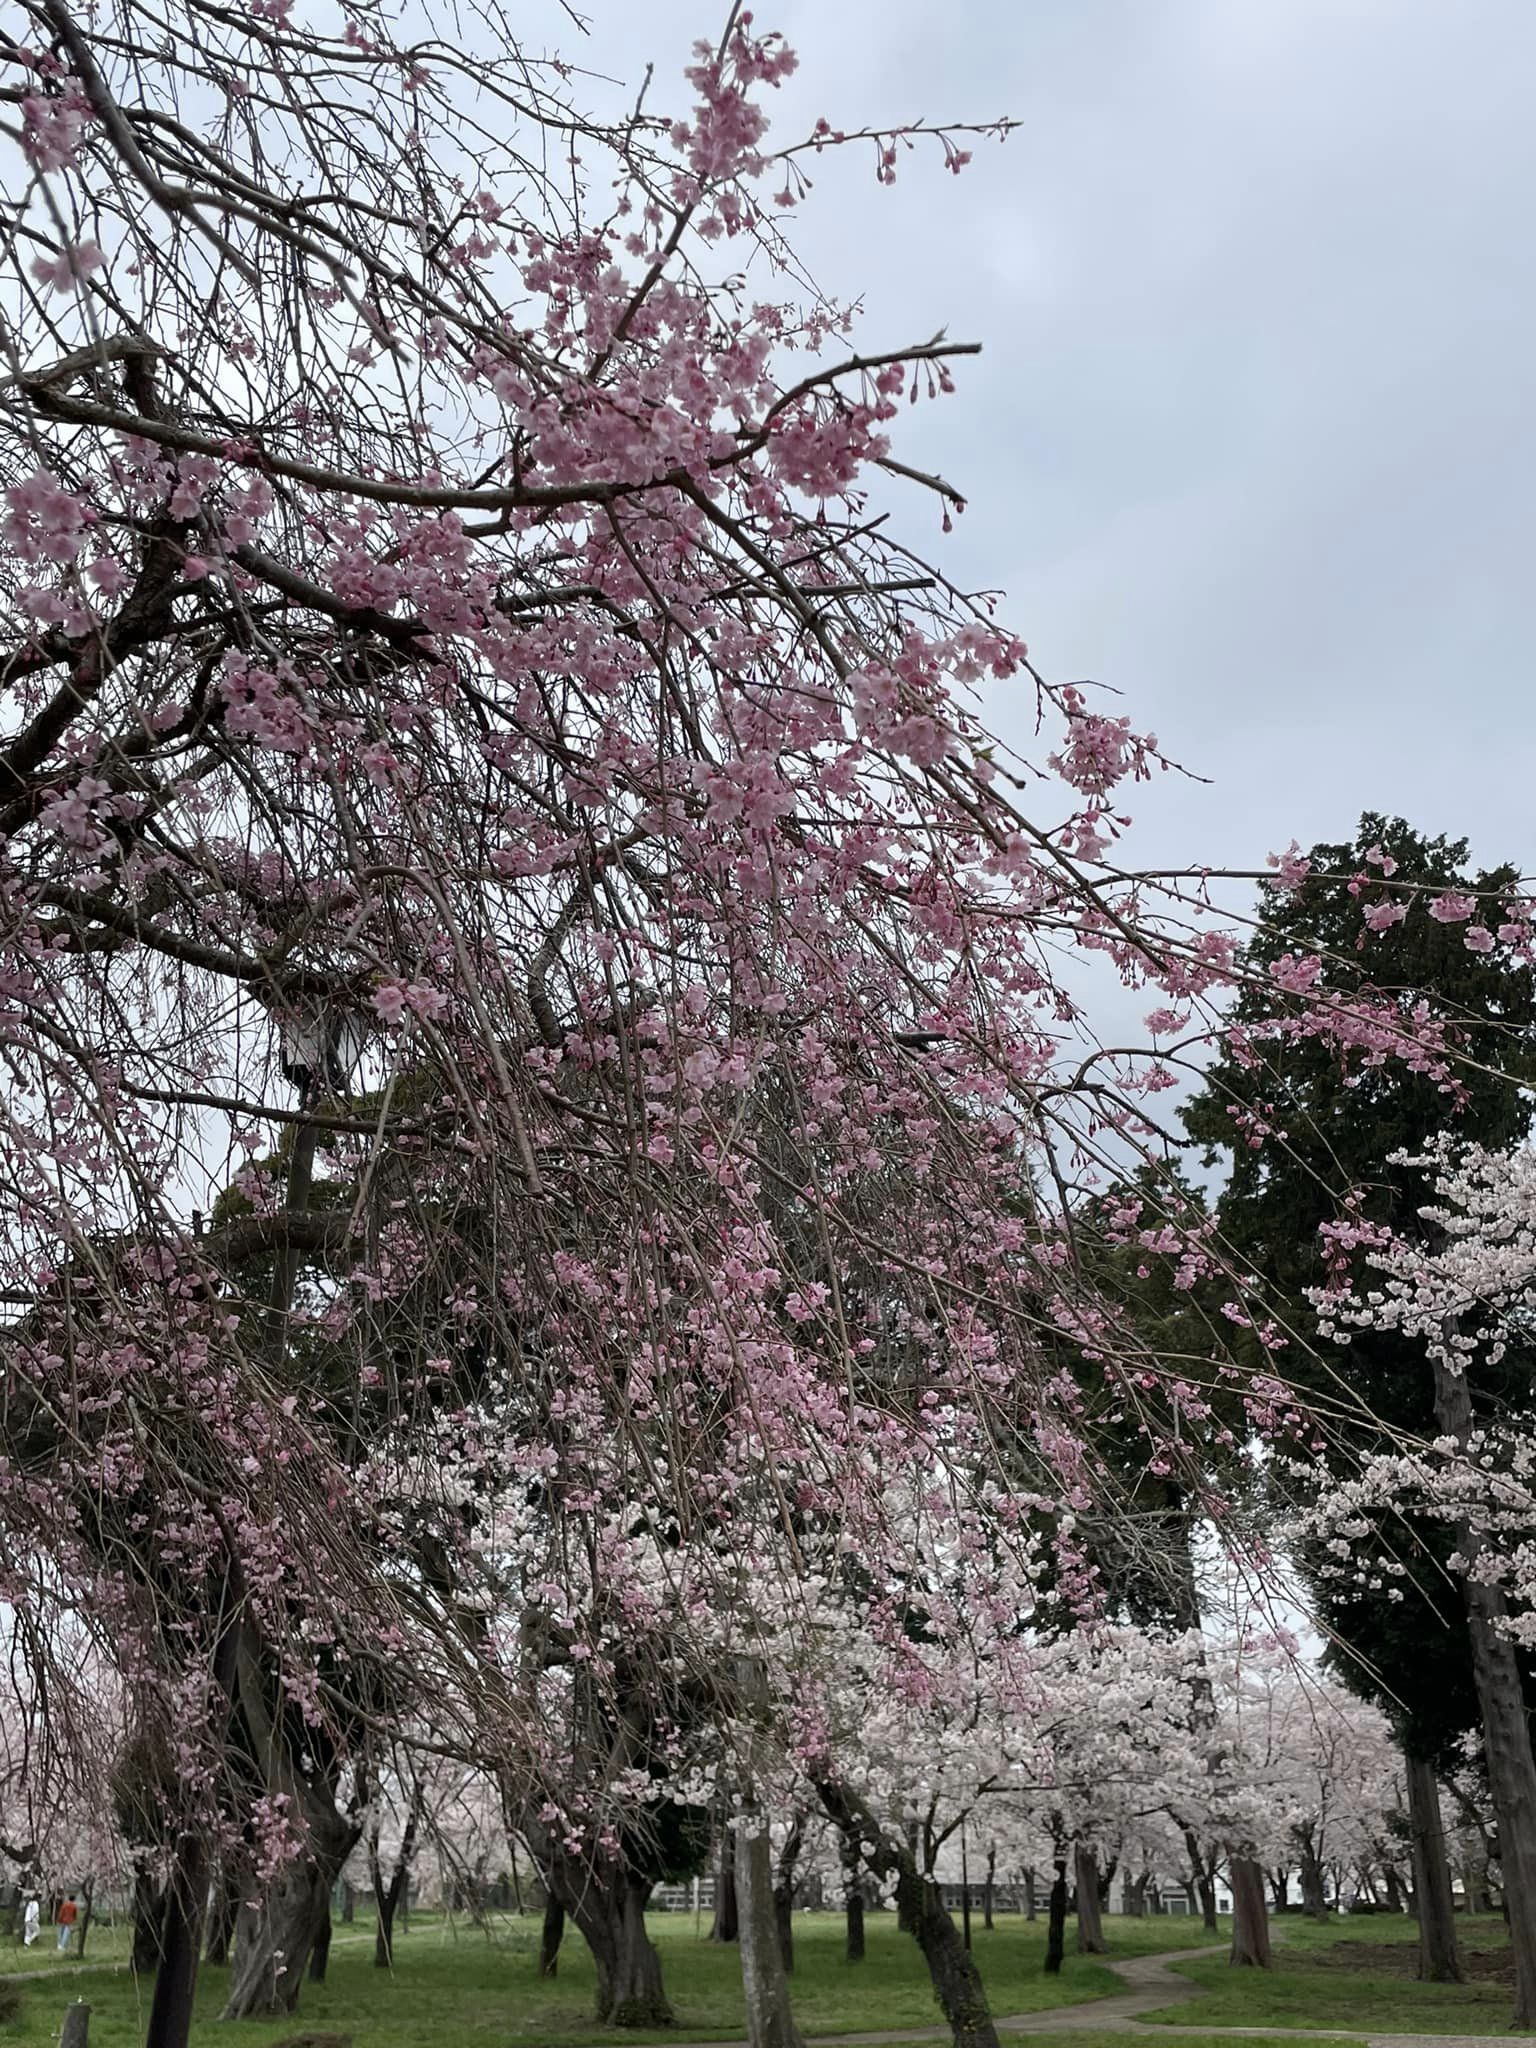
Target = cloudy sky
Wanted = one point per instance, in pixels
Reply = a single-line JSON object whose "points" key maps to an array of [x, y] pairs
{"points": [[1253, 437]]}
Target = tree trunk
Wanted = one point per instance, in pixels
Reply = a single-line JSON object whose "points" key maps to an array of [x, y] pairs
{"points": [[853, 1898], [148, 1923], [223, 1910], [1250, 1916], [320, 1954], [551, 1935], [956, 1980], [87, 1894], [273, 1940], [76, 2030], [765, 1987], [629, 1986], [1391, 1884], [1090, 1924], [348, 1904], [606, 1900], [989, 1888], [784, 1880], [170, 2011], [1506, 1731], [1031, 1908], [391, 1898], [1279, 1889], [1203, 1878], [1314, 1889], [1474, 1881], [1135, 1901], [385, 1901], [920, 1909], [1439, 1956], [727, 1922], [1056, 1925]]}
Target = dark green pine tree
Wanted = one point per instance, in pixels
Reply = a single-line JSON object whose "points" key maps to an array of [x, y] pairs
{"points": [[1331, 1123]]}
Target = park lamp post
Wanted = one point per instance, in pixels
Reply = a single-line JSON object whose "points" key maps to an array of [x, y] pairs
{"points": [[321, 1041]]}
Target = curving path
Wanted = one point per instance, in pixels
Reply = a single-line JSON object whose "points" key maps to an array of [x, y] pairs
{"points": [[1150, 1984]]}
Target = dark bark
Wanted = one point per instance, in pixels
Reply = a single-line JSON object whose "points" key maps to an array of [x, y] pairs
{"points": [[1439, 1955], [727, 1921], [1506, 1731], [956, 1981], [1056, 1924], [1314, 1888], [629, 1986], [606, 1901], [989, 1888], [785, 1877], [148, 1923], [87, 1895], [1250, 1916], [389, 1898], [1031, 1908], [1279, 1888], [223, 1911], [1392, 1886], [320, 1954], [75, 2033], [920, 1909], [1090, 1925], [170, 2011], [273, 1940], [853, 1897], [348, 1904], [1136, 1897], [551, 1935]]}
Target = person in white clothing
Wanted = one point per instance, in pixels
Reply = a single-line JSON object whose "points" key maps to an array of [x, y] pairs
{"points": [[31, 1920]]}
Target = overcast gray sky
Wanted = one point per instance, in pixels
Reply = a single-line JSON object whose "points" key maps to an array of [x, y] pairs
{"points": [[1253, 437]]}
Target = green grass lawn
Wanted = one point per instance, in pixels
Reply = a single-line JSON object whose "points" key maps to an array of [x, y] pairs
{"points": [[1353, 1973], [104, 1944], [455, 1985]]}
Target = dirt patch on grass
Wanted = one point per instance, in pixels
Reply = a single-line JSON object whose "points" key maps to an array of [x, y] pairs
{"points": [[1401, 1959]]}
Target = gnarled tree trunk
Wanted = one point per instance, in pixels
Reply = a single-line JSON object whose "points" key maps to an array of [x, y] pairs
{"points": [[273, 1940], [606, 1900], [612, 1922], [1250, 1915]]}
